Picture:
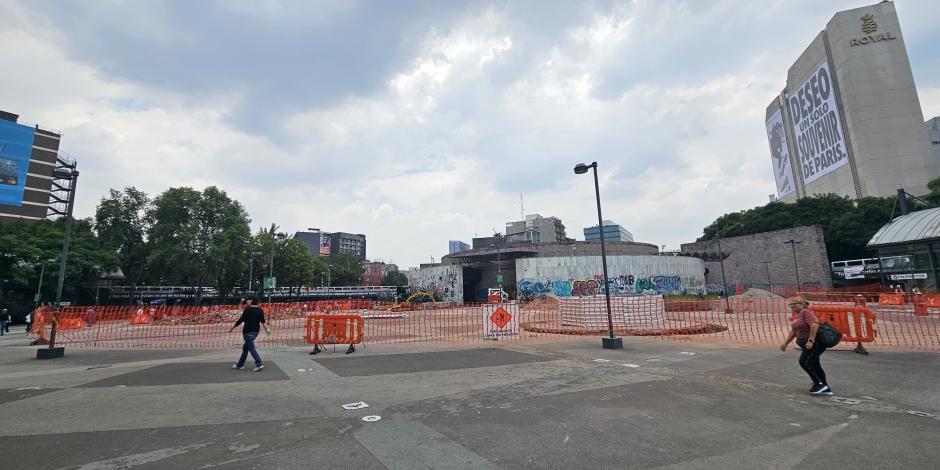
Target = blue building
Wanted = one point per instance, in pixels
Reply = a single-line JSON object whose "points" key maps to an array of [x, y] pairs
{"points": [[612, 231], [455, 246]]}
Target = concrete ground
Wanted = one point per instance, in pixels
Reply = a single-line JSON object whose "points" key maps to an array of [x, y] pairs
{"points": [[567, 405]]}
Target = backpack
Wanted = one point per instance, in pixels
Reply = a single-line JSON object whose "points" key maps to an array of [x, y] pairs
{"points": [[828, 335]]}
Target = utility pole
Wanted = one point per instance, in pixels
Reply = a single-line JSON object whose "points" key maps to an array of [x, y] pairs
{"points": [[767, 269], [724, 281], [796, 267]]}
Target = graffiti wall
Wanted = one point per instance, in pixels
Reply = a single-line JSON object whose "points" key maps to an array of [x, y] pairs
{"points": [[629, 275], [445, 282]]}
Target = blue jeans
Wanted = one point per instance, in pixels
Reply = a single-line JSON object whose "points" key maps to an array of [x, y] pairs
{"points": [[249, 347], [3, 327]]}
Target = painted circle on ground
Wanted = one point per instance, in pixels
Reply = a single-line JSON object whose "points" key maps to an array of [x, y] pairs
{"points": [[371, 418]]}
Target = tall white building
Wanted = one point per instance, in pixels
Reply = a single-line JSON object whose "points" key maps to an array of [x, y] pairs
{"points": [[849, 120], [536, 228]]}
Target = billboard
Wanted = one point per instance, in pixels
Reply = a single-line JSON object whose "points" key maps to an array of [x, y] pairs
{"points": [[817, 125], [780, 154], [325, 248], [16, 145]]}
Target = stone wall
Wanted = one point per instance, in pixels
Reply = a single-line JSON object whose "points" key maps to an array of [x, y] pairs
{"points": [[744, 267]]}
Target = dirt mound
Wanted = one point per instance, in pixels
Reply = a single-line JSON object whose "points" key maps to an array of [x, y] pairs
{"points": [[753, 293]]}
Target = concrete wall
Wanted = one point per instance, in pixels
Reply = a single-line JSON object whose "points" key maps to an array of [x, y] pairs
{"points": [[446, 281], [744, 267], [933, 130], [583, 275]]}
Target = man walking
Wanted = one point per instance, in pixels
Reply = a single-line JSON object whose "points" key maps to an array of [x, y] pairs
{"points": [[253, 318]]}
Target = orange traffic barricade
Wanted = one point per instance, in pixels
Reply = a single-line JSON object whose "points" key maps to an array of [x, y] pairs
{"points": [[334, 329], [891, 299], [71, 324], [855, 322], [140, 319]]}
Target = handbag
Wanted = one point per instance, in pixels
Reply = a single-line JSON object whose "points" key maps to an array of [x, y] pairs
{"points": [[828, 335]]}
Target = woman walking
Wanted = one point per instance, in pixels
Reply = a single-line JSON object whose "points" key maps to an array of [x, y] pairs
{"points": [[803, 327], [253, 318]]}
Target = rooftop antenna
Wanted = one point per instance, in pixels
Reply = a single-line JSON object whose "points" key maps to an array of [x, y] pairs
{"points": [[521, 207]]}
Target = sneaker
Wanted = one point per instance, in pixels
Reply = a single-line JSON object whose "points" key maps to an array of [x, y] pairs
{"points": [[237, 367], [815, 388], [823, 390], [258, 367]]}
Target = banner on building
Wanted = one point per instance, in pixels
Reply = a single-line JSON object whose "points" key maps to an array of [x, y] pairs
{"points": [[780, 154], [325, 248], [16, 145], [817, 125], [500, 321]]}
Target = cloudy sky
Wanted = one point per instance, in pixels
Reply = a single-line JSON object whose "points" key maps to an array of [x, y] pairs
{"points": [[420, 122]]}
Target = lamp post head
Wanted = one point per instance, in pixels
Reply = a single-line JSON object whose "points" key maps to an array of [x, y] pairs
{"points": [[581, 168]]}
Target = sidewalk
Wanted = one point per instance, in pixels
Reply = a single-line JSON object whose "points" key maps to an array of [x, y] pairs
{"points": [[560, 405]]}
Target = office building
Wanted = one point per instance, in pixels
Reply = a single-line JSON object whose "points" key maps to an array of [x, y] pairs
{"points": [[612, 231], [849, 120], [455, 246], [28, 157], [331, 243], [536, 229]]}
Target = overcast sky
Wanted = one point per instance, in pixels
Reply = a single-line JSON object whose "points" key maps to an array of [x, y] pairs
{"points": [[420, 122]]}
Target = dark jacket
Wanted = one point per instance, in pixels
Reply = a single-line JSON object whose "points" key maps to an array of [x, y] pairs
{"points": [[252, 317]]}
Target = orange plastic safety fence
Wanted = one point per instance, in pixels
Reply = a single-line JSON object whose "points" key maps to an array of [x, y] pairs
{"points": [[736, 320]]}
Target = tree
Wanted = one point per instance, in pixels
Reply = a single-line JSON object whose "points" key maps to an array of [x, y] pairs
{"points": [[25, 245], [394, 278], [199, 238], [847, 225], [122, 220], [345, 269]]}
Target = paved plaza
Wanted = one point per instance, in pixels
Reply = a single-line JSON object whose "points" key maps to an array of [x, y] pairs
{"points": [[564, 404]]}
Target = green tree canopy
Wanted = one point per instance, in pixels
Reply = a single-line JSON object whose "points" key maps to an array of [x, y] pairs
{"points": [[394, 278], [847, 225], [345, 269], [199, 238], [122, 220]]}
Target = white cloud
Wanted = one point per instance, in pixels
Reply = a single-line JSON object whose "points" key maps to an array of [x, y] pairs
{"points": [[486, 106]]}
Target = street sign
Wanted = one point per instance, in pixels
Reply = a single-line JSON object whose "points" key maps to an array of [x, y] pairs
{"points": [[499, 278], [270, 282], [36, 297], [500, 321]]}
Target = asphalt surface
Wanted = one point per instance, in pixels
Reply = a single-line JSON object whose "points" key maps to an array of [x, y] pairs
{"points": [[565, 405]]}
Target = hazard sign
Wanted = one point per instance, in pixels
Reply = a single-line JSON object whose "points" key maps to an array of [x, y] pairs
{"points": [[500, 317], [500, 321]]}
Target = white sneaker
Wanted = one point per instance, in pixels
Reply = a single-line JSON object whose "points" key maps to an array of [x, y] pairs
{"points": [[237, 367], [257, 368]]}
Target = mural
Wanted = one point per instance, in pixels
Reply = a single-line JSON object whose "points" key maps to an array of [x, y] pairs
{"points": [[618, 285], [445, 282]]}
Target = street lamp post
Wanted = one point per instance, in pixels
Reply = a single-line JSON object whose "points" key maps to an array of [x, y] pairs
{"points": [[611, 342], [274, 238], [724, 281], [42, 273], [796, 267], [766, 264], [72, 175]]}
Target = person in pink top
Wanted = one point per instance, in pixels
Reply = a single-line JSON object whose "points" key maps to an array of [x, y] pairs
{"points": [[803, 327]]}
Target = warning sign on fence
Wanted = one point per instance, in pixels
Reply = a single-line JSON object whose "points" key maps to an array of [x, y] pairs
{"points": [[500, 321]]}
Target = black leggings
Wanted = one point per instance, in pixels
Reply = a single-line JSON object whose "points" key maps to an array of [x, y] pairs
{"points": [[809, 361]]}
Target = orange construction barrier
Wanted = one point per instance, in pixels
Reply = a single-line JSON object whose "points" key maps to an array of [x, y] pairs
{"points": [[140, 319], [857, 329], [891, 299], [71, 324], [334, 329]]}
